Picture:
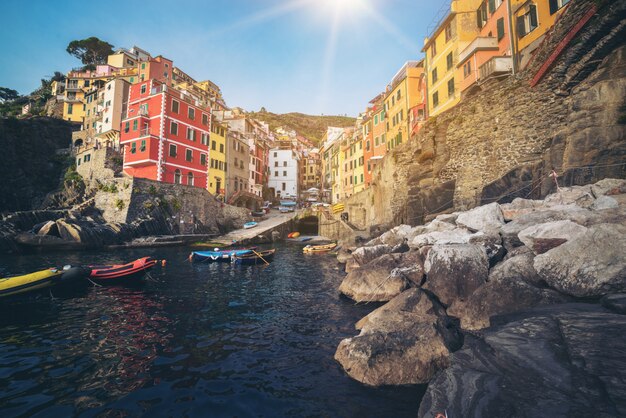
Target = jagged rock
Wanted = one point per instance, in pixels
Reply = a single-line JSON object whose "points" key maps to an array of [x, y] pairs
{"points": [[49, 228], [351, 265], [519, 207], [543, 237], [343, 255], [411, 268], [400, 248], [454, 272], [608, 187], [591, 265], [364, 255], [604, 202], [373, 282], [482, 218], [68, 231], [575, 195], [511, 287], [492, 243], [393, 237], [30, 240], [448, 218], [565, 360], [615, 302], [454, 236], [404, 342]]}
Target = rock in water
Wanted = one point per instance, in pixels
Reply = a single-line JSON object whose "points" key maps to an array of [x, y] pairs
{"points": [[404, 342], [559, 361], [454, 272], [373, 282], [591, 265], [364, 255]]}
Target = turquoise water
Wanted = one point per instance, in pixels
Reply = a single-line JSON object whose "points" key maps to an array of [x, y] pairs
{"points": [[195, 340]]}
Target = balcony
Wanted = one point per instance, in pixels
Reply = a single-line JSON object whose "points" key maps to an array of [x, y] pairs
{"points": [[73, 87], [479, 44], [496, 65]]}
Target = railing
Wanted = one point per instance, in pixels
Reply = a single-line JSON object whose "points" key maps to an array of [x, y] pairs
{"points": [[496, 65]]}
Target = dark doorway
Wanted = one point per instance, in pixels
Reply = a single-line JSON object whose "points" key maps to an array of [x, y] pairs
{"points": [[308, 226]]}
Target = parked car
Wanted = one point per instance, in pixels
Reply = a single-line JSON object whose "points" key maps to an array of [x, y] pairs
{"points": [[285, 209]]}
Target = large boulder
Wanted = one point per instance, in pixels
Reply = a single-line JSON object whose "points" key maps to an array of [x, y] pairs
{"points": [[393, 237], [483, 218], [404, 342], [364, 255], [608, 187], [512, 286], [575, 195], [557, 361], [591, 265], [519, 207], [454, 272], [454, 236], [543, 237], [49, 228], [69, 231], [373, 282]]}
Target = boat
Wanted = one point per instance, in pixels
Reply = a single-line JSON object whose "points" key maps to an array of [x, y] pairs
{"points": [[42, 279], [219, 254], [254, 257], [293, 235], [258, 213], [249, 225], [118, 273], [319, 248]]}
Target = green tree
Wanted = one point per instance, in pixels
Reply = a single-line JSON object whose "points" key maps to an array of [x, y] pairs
{"points": [[90, 51], [8, 95]]}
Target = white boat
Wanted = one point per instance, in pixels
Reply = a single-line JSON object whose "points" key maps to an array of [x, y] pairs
{"points": [[249, 225]]}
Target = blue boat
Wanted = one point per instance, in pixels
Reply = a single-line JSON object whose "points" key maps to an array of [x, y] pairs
{"points": [[219, 255]]}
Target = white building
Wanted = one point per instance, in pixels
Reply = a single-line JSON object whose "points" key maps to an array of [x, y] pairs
{"points": [[283, 172], [113, 97]]}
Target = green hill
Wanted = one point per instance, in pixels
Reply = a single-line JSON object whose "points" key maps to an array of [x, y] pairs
{"points": [[310, 127]]}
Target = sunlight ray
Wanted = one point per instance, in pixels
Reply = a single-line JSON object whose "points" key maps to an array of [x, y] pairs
{"points": [[388, 27], [329, 60]]}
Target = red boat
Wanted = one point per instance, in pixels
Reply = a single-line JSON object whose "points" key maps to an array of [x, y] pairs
{"points": [[122, 272]]}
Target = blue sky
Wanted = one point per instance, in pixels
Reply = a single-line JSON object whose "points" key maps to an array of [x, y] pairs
{"points": [[310, 56]]}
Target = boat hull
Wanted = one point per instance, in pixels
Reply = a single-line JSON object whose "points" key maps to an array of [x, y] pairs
{"points": [[121, 273], [43, 280], [218, 256], [254, 258], [312, 249]]}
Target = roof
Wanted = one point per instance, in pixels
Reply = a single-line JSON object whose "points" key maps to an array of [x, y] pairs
{"points": [[429, 40]]}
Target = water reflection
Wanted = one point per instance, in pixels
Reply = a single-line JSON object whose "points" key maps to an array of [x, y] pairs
{"points": [[200, 340]]}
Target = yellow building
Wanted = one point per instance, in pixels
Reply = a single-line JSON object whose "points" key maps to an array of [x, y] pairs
{"points": [[217, 155], [455, 32], [357, 160], [402, 94], [531, 21]]}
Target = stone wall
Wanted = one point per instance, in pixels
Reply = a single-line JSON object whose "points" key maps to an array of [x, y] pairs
{"points": [[504, 141], [100, 165]]}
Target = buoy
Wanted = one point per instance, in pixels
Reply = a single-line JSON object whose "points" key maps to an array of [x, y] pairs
{"points": [[163, 262]]}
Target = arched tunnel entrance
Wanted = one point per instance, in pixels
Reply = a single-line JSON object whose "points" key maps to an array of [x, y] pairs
{"points": [[308, 225]]}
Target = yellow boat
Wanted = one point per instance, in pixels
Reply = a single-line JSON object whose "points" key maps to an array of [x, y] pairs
{"points": [[319, 248], [38, 280]]}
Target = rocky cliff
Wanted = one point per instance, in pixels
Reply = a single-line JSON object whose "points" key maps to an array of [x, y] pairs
{"points": [[30, 166], [505, 141]]}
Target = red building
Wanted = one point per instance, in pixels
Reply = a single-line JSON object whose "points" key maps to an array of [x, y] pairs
{"points": [[165, 135]]}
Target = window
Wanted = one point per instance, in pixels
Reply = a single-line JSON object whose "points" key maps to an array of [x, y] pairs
{"points": [[275, 163], [527, 22], [165, 74], [174, 128], [86, 83], [500, 26], [555, 5], [205, 119], [191, 134], [433, 49], [172, 150], [143, 65], [284, 186], [189, 155], [275, 173], [375, 120], [205, 139], [367, 145], [191, 113], [284, 163], [133, 147], [434, 75], [222, 148], [467, 69], [143, 89], [143, 145], [126, 127], [448, 32], [135, 122], [175, 106], [451, 87], [436, 99], [481, 15], [449, 61], [190, 178], [284, 174], [492, 6], [70, 108], [202, 159], [177, 176], [213, 145]]}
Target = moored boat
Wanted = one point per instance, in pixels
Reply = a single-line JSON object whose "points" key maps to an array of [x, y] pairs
{"points": [[319, 248], [249, 225], [219, 254], [255, 257], [42, 279], [118, 273]]}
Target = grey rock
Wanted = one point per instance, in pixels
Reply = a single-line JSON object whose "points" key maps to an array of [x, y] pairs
{"points": [[591, 265], [454, 272], [454, 236], [543, 237], [482, 218], [557, 361], [364, 255], [373, 282], [604, 202], [608, 187]]}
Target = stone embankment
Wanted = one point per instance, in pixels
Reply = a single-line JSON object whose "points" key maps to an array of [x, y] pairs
{"points": [[507, 310]]}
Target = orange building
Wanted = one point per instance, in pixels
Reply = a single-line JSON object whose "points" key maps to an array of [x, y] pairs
{"points": [[368, 145], [379, 133]]}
